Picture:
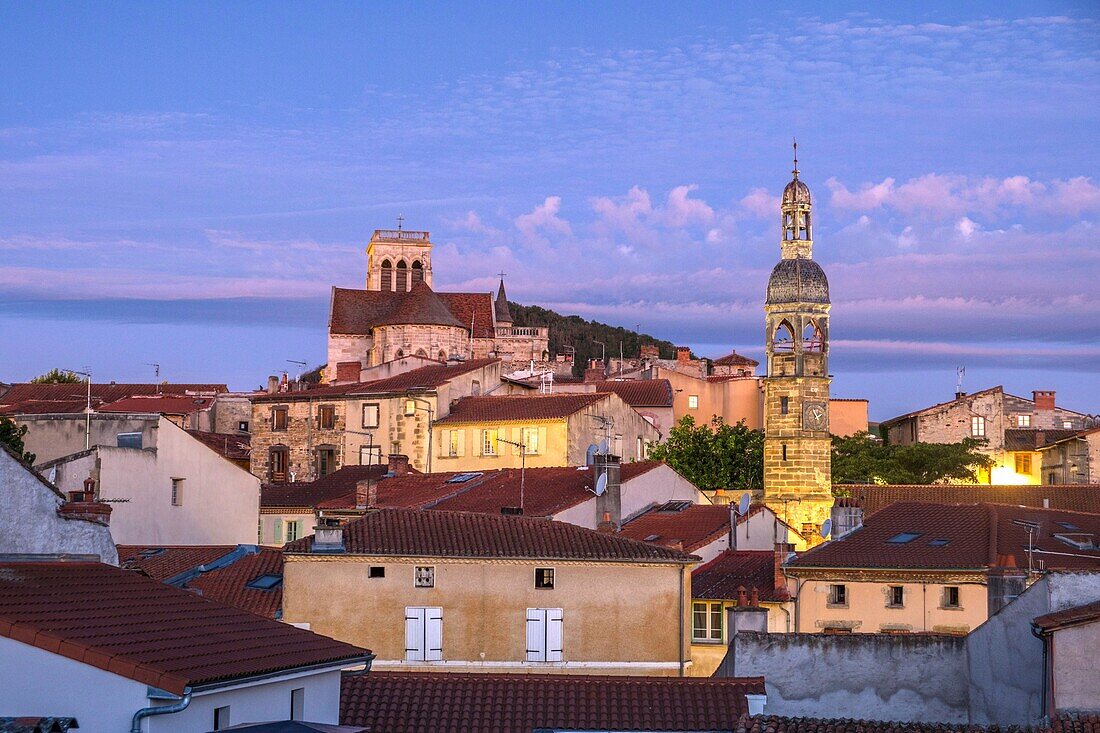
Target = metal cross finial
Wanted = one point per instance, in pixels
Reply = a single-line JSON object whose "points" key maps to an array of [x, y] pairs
{"points": [[502, 273], [795, 157], [400, 221]]}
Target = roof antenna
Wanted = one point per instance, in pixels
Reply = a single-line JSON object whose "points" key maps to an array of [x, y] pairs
{"points": [[795, 171], [400, 221], [960, 372]]}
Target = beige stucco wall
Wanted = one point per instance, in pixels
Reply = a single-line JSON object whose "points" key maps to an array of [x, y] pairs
{"points": [[733, 400], [706, 655], [1076, 683], [484, 606], [847, 417], [51, 437], [867, 612]]}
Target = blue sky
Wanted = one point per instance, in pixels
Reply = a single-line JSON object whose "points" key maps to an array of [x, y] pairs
{"points": [[184, 183]]}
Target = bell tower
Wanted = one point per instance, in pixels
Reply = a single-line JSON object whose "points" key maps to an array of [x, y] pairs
{"points": [[797, 443], [398, 259]]}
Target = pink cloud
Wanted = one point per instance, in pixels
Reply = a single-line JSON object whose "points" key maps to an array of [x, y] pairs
{"points": [[760, 203], [681, 210], [543, 217]]}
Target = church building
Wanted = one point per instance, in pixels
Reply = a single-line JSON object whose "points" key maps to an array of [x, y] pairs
{"points": [[398, 314], [797, 443]]}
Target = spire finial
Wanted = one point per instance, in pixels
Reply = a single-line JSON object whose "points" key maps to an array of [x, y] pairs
{"points": [[502, 274], [795, 171]]}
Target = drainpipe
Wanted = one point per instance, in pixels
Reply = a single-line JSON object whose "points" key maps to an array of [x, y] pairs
{"points": [[180, 706], [683, 610], [1038, 634]]}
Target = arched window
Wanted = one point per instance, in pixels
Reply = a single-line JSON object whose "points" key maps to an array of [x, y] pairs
{"points": [[400, 354], [784, 338], [417, 272], [402, 277], [387, 275], [442, 355], [811, 338], [277, 463], [421, 352]]}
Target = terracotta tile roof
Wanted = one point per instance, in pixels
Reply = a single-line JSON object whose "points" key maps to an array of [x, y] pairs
{"points": [[417, 533], [640, 392], [229, 585], [937, 406], [233, 446], [1071, 497], [1076, 723], [1029, 439], [451, 702], [420, 306], [426, 377], [139, 628], [358, 312], [478, 307], [520, 407], [958, 536], [735, 359], [693, 527], [778, 724], [1087, 613], [308, 494], [163, 404], [101, 393], [324, 391], [720, 578], [717, 378], [164, 562], [45, 407]]}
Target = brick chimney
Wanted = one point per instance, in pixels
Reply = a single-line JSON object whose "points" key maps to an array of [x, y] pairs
{"points": [[783, 550], [366, 494], [82, 504], [399, 464], [683, 354], [1043, 398], [606, 526], [749, 615]]}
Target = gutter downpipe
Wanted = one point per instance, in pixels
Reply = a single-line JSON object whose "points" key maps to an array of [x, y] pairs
{"points": [[1041, 636], [178, 707], [683, 610]]}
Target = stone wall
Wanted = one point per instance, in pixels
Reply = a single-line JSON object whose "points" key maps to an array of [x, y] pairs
{"points": [[862, 676], [302, 435]]}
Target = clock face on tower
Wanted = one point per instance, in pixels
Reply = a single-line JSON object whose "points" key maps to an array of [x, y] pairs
{"points": [[814, 416]]}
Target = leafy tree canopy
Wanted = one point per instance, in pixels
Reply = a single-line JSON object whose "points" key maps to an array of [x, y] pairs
{"points": [[715, 456], [11, 435], [860, 459], [56, 376]]}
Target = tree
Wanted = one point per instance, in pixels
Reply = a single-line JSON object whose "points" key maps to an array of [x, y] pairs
{"points": [[11, 435], [861, 459], [715, 456], [57, 376]]}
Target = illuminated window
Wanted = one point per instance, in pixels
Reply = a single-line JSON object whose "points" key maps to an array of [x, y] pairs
{"points": [[693, 402], [531, 441], [1023, 463], [1023, 421], [706, 622], [977, 426], [488, 442]]}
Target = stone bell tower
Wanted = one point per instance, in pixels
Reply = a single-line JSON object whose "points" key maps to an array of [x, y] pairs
{"points": [[398, 259], [797, 444]]}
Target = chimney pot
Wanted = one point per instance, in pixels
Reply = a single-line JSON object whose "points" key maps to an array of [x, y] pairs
{"points": [[754, 598], [782, 552], [399, 464], [741, 598]]}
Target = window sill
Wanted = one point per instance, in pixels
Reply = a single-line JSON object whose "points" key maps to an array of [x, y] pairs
{"points": [[712, 642], [895, 605], [951, 608], [836, 605]]}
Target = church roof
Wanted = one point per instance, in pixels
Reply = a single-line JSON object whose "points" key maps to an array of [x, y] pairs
{"points": [[476, 308], [797, 280], [420, 306], [796, 192], [359, 311], [503, 312]]}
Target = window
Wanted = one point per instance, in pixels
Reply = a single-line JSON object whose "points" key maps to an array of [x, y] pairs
{"points": [[784, 451], [424, 576], [277, 459], [784, 405], [293, 530], [177, 492], [530, 441], [1023, 421], [221, 717], [1067, 424], [265, 582], [410, 408], [242, 426], [326, 417], [278, 530], [370, 415], [452, 444], [278, 418], [706, 624], [1023, 463], [977, 426], [423, 633], [386, 277], [370, 455], [895, 596], [298, 703], [544, 578], [693, 402], [488, 442], [376, 571], [951, 596], [544, 635], [903, 538], [326, 460], [475, 385], [128, 440], [939, 543], [838, 595]]}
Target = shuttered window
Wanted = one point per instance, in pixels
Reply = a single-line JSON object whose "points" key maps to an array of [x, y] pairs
{"points": [[423, 633], [544, 635]]}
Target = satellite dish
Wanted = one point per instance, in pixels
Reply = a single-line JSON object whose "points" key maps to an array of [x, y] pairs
{"points": [[601, 484], [605, 447], [743, 505], [826, 528]]}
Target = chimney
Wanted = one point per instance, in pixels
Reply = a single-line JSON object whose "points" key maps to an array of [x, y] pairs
{"points": [[284, 384], [399, 464], [1005, 583], [748, 615], [82, 504], [606, 526], [610, 503], [1043, 398], [366, 494], [960, 395], [328, 536], [272, 384], [783, 550], [683, 354], [847, 515]]}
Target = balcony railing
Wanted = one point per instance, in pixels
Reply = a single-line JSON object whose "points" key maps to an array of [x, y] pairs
{"points": [[522, 331], [400, 235]]}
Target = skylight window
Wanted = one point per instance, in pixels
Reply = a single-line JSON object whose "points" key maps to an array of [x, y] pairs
{"points": [[901, 539], [463, 477], [153, 552], [265, 582], [939, 543], [652, 538], [675, 506], [1070, 527]]}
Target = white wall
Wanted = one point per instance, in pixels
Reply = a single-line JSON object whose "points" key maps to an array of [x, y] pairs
{"points": [[221, 501], [29, 522], [655, 486]]}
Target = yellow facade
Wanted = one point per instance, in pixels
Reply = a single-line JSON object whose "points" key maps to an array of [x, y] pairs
{"points": [[617, 618], [1014, 468], [708, 652], [479, 446]]}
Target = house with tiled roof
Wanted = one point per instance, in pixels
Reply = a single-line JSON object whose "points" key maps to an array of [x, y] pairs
{"points": [[404, 702], [512, 431], [398, 314], [1072, 458], [1070, 497], [917, 567], [134, 651], [466, 591], [706, 529], [650, 398]]}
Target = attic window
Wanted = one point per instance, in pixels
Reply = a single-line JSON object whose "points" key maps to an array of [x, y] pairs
{"points": [[939, 543], [376, 571], [675, 506], [265, 582], [904, 537], [463, 477]]}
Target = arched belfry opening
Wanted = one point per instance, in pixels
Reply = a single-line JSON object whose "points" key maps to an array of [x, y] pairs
{"points": [[402, 277], [812, 338], [417, 272], [783, 338], [386, 274]]}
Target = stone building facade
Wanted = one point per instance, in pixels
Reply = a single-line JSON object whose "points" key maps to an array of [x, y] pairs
{"points": [[797, 445]]}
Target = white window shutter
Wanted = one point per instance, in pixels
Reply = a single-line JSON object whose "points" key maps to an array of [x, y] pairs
{"points": [[536, 635], [444, 443], [414, 634], [541, 447], [554, 629], [461, 441], [433, 634]]}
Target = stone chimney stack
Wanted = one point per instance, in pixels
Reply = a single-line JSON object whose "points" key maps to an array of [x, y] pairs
{"points": [[1044, 408], [82, 504], [783, 550], [748, 615], [399, 464], [328, 536], [272, 384], [683, 354], [1006, 582], [610, 503]]}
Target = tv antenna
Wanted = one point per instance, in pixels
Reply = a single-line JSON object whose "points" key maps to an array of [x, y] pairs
{"points": [[960, 372], [301, 365], [156, 369]]}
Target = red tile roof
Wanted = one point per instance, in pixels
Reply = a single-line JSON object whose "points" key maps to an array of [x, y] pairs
{"points": [[1087, 613], [778, 724], [640, 392], [163, 404], [229, 585], [417, 533], [360, 311], [977, 536], [164, 562], [720, 578], [735, 359], [147, 631], [233, 446], [45, 407], [101, 393], [694, 527], [520, 407], [1071, 497], [450, 702], [426, 377], [475, 307], [308, 494], [1029, 439]]}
